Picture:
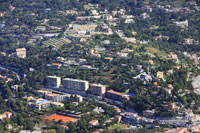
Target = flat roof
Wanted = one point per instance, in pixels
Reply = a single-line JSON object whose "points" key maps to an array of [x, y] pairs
{"points": [[117, 93]]}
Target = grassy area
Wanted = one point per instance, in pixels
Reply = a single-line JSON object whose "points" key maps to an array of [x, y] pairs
{"points": [[119, 126], [156, 51]]}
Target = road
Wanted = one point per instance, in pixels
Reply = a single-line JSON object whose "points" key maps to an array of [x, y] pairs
{"points": [[14, 70]]}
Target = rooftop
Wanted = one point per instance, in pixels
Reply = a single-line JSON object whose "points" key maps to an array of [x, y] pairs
{"points": [[117, 93]]}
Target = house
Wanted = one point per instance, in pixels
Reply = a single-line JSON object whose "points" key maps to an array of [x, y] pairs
{"points": [[106, 42], [6, 115], [117, 118], [182, 24], [188, 41], [148, 113], [56, 65], [21, 52], [60, 59], [94, 123], [86, 67], [41, 28], [130, 39], [173, 55], [178, 67], [144, 16], [108, 58], [98, 110], [128, 21], [82, 61], [160, 75], [122, 55], [118, 110]]}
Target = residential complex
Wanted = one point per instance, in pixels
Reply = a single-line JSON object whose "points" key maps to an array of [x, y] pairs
{"points": [[42, 92], [55, 97], [117, 95], [97, 89], [75, 84], [53, 81]]}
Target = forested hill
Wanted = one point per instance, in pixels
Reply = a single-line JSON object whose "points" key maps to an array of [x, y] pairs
{"points": [[67, 4]]}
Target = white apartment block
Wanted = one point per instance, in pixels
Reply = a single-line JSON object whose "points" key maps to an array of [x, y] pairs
{"points": [[53, 81], [98, 89], [75, 84]]}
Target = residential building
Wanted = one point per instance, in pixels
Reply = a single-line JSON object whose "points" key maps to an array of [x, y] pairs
{"points": [[53, 81], [182, 24], [57, 104], [21, 52], [56, 65], [39, 103], [117, 118], [98, 89], [94, 123], [60, 59], [160, 75], [148, 113], [76, 98], [43, 92], [55, 97], [144, 15], [117, 95], [75, 84], [6, 115]]}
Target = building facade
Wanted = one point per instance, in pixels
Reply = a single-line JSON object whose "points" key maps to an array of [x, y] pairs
{"points": [[53, 82], [55, 97], [75, 84], [117, 95], [98, 89]]}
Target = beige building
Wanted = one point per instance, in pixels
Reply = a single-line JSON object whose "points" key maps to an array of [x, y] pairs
{"points": [[43, 92], [98, 89], [21, 52], [53, 81], [75, 84], [55, 97]]}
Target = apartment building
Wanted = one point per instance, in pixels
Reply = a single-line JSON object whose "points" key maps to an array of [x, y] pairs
{"points": [[75, 84], [98, 89], [53, 81], [76, 98], [21, 52], [117, 95], [42, 92], [55, 97]]}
